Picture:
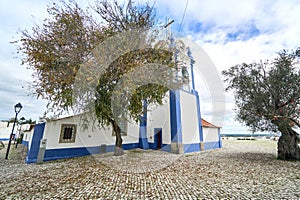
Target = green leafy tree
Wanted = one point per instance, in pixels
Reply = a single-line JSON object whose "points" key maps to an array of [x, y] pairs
{"points": [[63, 43], [56, 49], [267, 97]]}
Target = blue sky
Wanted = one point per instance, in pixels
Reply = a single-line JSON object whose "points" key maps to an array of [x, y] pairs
{"points": [[230, 32]]}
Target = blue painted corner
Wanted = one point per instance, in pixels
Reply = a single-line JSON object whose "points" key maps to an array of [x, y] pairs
{"points": [[151, 145], [220, 138], [35, 142], [166, 147], [143, 139], [175, 116]]}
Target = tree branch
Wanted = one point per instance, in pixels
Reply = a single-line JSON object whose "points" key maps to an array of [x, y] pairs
{"points": [[295, 121]]}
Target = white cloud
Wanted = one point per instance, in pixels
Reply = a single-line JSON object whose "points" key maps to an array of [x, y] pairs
{"points": [[258, 30]]}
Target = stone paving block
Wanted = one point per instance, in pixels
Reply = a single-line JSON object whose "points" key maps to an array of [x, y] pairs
{"points": [[242, 169]]}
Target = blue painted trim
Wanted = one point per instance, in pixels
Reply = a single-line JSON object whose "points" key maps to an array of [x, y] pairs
{"points": [[55, 154], [25, 143], [164, 147], [63, 153], [35, 142], [211, 145], [187, 91], [196, 94], [110, 148], [187, 148], [4, 139], [220, 138], [33, 160], [143, 143], [200, 127], [151, 145], [175, 116], [130, 146], [143, 139]]}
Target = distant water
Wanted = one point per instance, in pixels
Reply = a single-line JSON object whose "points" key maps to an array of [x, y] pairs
{"points": [[249, 135]]}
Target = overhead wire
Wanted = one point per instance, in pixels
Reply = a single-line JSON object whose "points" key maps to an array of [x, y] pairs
{"points": [[184, 12]]}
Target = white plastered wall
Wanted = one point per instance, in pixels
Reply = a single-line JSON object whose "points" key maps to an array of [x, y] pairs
{"points": [[189, 118], [92, 136], [4, 130], [210, 134], [159, 117], [27, 132], [28, 135]]}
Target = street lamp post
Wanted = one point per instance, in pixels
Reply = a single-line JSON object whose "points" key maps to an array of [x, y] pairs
{"points": [[18, 108]]}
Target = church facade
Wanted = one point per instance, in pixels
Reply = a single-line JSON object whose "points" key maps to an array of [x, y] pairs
{"points": [[175, 127]]}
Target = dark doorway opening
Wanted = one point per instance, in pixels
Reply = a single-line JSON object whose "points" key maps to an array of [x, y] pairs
{"points": [[157, 138]]}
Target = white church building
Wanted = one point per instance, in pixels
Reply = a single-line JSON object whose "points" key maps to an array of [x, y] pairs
{"points": [[175, 127]]}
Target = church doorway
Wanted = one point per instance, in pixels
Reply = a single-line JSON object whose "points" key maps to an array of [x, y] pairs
{"points": [[157, 138]]}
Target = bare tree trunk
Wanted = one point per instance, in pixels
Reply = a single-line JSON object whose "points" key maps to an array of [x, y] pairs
{"points": [[118, 145], [288, 144]]}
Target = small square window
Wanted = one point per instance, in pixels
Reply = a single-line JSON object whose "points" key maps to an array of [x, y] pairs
{"points": [[67, 133]]}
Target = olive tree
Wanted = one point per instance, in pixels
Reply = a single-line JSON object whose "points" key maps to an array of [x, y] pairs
{"points": [[267, 98], [57, 49]]}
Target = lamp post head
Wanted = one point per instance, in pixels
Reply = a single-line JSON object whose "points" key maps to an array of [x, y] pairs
{"points": [[18, 107]]}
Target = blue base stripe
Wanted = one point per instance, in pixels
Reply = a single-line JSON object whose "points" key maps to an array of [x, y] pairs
{"points": [[130, 146], [29, 160], [4, 139], [211, 145], [25, 143], [187, 148], [165, 147], [143, 143], [56, 154]]}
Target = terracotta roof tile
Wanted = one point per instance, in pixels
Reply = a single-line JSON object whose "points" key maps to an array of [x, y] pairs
{"points": [[207, 124]]}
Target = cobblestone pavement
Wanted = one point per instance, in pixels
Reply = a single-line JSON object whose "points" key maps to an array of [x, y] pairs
{"points": [[242, 169]]}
